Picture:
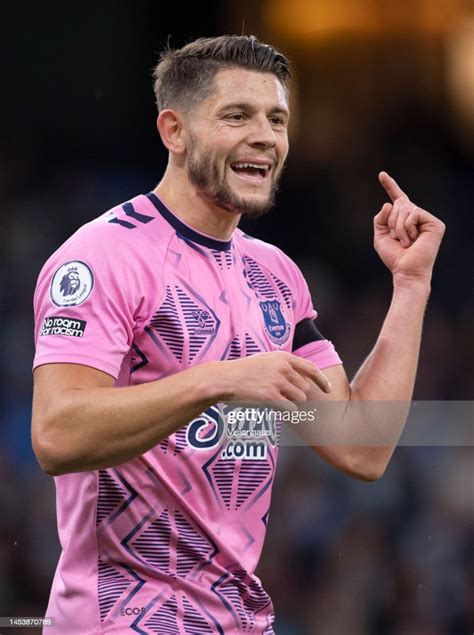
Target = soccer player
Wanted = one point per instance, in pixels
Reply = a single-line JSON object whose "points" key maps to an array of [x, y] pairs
{"points": [[154, 313]]}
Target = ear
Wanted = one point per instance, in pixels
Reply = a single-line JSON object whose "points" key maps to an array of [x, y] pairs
{"points": [[170, 127]]}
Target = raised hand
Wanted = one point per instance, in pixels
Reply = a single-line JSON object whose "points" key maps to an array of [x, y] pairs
{"points": [[406, 237]]}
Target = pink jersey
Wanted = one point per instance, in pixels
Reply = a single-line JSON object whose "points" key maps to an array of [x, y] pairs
{"points": [[168, 542]]}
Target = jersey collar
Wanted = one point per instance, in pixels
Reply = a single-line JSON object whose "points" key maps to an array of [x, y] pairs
{"points": [[186, 231]]}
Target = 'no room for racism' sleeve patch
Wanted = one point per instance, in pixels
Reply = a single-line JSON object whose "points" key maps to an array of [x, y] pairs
{"points": [[60, 325]]}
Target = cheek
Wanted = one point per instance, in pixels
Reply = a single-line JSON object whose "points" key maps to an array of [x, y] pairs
{"points": [[226, 138], [283, 146]]}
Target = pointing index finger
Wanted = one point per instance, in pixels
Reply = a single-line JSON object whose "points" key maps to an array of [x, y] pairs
{"points": [[391, 187]]}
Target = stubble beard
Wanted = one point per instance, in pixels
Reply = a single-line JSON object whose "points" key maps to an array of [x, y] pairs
{"points": [[203, 173]]}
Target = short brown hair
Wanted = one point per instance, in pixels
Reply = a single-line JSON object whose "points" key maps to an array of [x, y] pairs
{"points": [[183, 77]]}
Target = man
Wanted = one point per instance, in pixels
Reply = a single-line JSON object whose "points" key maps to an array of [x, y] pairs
{"points": [[160, 309]]}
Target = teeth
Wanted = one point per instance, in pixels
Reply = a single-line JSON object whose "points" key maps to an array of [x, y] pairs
{"points": [[257, 166]]}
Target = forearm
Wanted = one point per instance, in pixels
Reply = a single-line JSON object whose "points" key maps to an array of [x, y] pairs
{"points": [[389, 372], [97, 427], [82, 422], [376, 403], [387, 375], [360, 423]]}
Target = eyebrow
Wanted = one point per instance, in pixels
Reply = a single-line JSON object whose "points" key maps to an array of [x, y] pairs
{"points": [[244, 105]]}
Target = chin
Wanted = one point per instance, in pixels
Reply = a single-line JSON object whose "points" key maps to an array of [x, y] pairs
{"points": [[248, 204], [252, 206], [247, 197]]}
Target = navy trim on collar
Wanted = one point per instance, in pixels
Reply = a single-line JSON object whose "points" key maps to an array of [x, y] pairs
{"points": [[184, 230]]}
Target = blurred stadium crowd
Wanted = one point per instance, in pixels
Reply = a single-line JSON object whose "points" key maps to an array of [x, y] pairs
{"points": [[393, 557]]}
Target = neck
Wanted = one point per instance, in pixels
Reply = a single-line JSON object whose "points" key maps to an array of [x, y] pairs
{"points": [[194, 209]]}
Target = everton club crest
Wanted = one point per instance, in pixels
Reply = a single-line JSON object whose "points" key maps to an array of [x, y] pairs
{"points": [[278, 329]]}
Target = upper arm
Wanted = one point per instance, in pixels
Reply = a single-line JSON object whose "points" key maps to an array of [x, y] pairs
{"points": [[320, 436], [52, 382], [309, 343], [341, 389], [91, 300], [327, 443]]}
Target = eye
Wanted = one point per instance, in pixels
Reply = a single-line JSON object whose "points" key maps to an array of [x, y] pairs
{"points": [[276, 120], [236, 117]]}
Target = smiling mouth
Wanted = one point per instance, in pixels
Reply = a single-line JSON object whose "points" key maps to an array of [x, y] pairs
{"points": [[251, 171]]}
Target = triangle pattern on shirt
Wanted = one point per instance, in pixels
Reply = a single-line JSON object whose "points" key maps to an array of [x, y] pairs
{"points": [[256, 278], [235, 351], [111, 586], [167, 324], [284, 290], [223, 472], [154, 543], [192, 547], [251, 476], [111, 495], [250, 346], [200, 323], [164, 621], [193, 621]]}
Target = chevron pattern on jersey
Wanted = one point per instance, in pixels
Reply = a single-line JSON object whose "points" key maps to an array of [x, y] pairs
{"points": [[251, 476], [154, 543], [246, 596], [163, 621], [192, 548], [200, 323], [235, 350], [257, 279], [167, 324], [238, 349], [138, 359], [223, 258], [193, 621], [111, 584], [261, 282], [114, 496], [111, 495], [223, 473], [257, 599], [284, 290], [250, 346], [179, 441]]}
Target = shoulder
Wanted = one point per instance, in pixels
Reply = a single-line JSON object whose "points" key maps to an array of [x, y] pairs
{"points": [[125, 237], [133, 225], [123, 251], [268, 256]]}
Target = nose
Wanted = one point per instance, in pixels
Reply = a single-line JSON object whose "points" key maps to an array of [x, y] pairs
{"points": [[262, 134]]}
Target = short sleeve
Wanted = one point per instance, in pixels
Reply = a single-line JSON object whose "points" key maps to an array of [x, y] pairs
{"points": [[85, 305], [308, 341]]}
